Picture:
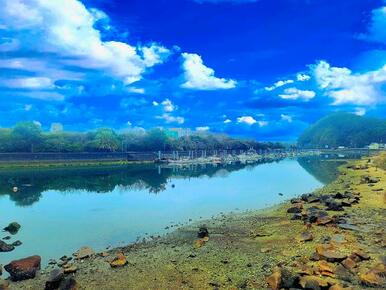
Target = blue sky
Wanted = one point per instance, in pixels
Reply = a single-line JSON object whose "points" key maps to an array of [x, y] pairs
{"points": [[262, 69]]}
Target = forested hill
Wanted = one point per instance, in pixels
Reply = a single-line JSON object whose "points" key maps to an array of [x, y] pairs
{"points": [[344, 129]]}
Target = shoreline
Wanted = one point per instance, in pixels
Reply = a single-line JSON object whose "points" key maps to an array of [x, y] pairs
{"points": [[244, 249]]}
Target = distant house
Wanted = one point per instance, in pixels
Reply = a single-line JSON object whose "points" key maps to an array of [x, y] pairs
{"points": [[341, 147], [377, 146], [178, 132]]}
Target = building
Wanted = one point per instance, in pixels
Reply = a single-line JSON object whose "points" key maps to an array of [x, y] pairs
{"points": [[178, 132], [377, 146]]}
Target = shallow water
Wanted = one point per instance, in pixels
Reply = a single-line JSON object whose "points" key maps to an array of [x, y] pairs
{"points": [[63, 210]]}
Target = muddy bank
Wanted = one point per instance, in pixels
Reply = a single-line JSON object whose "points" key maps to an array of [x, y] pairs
{"points": [[330, 239]]}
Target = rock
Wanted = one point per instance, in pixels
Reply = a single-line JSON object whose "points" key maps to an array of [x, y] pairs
{"points": [[7, 238], [289, 279], [84, 252], [68, 284], [104, 254], [24, 268], [348, 263], [12, 228], [306, 236], [329, 253], [312, 282], [297, 216], [296, 208], [338, 287], [53, 282], [199, 243], [3, 284], [362, 255], [118, 261], [371, 279], [348, 227], [369, 179], [333, 205], [202, 232], [17, 243], [274, 280], [52, 262], [323, 220], [69, 269], [4, 247]]}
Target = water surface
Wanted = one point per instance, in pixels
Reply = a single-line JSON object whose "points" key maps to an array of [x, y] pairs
{"points": [[63, 210]]}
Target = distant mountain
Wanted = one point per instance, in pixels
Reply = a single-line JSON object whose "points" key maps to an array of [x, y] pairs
{"points": [[344, 129]]}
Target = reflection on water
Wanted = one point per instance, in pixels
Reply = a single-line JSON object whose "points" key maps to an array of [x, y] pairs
{"points": [[61, 210]]}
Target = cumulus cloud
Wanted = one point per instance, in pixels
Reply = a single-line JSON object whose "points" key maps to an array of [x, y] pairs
{"points": [[346, 87], [377, 27], [286, 118], [249, 120], [360, 111], [168, 118], [294, 94], [202, 129], [200, 77], [67, 30], [302, 77], [227, 121], [279, 84], [262, 123], [168, 106]]}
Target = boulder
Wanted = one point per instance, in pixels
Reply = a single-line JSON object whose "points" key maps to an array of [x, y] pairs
{"points": [[118, 261], [84, 252], [53, 282], [4, 247], [329, 253], [306, 236], [12, 228], [17, 243], [274, 280], [69, 284], [312, 282], [295, 208], [24, 268], [202, 232]]}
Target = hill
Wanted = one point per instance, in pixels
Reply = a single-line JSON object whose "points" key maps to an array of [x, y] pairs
{"points": [[344, 129]]}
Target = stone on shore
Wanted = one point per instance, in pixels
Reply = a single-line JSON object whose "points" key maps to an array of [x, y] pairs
{"points": [[329, 253], [202, 232], [4, 247], [84, 252], [53, 282], [274, 280], [69, 284], [24, 268], [118, 261], [12, 228]]}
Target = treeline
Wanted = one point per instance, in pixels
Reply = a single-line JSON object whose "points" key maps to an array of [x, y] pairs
{"points": [[29, 137], [344, 129]]}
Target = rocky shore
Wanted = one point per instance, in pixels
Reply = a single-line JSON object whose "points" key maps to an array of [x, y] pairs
{"points": [[331, 239]]}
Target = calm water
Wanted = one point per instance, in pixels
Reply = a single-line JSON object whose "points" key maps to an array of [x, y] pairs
{"points": [[63, 210]]}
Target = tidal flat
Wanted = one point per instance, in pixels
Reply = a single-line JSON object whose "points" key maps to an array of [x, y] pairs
{"points": [[338, 244]]}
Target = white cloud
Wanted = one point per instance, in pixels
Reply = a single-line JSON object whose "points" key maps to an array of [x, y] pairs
{"points": [[377, 27], [249, 120], [155, 103], [27, 107], [346, 87], [171, 119], [302, 77], [56, 127], [227, 121], [168, 106], [28, 83], [286, 118], [262, 123], [294, 94], [136, 90], [200, 77], [279, 84], [202, 129], [66, 29], [129, 123], [37, 123], [360, 111]]}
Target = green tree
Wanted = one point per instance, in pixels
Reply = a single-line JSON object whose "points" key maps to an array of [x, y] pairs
{"points": [[26, 137], [106, 139]]}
